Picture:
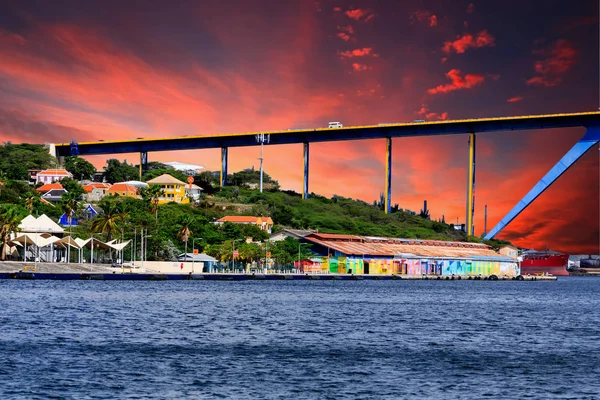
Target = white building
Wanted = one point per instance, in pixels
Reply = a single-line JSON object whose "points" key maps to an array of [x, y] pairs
{"points": [[52, 175]]}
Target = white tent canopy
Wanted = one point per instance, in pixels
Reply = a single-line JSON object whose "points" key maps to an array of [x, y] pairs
{"points": [[40, 224]]}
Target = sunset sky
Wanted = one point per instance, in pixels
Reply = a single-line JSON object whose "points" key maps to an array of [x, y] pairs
{"points": [[128, 69]]}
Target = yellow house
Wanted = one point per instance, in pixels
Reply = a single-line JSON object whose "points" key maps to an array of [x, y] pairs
{"points": [[174, 189]]}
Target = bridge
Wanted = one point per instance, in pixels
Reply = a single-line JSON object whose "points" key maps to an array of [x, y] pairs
{"points": [[589, 120]]}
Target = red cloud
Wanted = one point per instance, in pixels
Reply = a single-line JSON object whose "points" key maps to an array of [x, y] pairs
{"points": [[337, 9], [425, 113], [345, 32], [359, 14], [360, 67], [458, 82], [344, 36], [470, 8], [423, 16], [462, 43], [365, 51], [558, 59], [515, 99]]}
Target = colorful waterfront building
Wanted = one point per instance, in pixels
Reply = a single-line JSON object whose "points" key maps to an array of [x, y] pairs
{"points": [[350, 254]]}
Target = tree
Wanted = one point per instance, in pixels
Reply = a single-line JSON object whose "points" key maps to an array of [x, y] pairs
{"points": [[70, 206], [108, 221], [80, 168], [152, 195], [72, 186], [16, 159], [115, 171], [184, 232], [10, 217]]}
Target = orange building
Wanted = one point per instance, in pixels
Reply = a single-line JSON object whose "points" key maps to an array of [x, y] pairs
{"points": [[122, 189], [49, 186], [264, 223]]}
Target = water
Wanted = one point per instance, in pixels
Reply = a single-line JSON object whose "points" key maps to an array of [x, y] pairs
{"points": [[300, 339]]}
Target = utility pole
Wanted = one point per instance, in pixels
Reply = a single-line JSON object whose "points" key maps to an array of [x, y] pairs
{"points": [[262, 139], [485, 221]]}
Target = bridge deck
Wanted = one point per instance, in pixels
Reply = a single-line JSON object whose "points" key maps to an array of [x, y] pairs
{"points": [[291, 136]]}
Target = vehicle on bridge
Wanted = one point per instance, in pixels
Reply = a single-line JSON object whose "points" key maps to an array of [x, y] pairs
{"points": [[336, 125]]}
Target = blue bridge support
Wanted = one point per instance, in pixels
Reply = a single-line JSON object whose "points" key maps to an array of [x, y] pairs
{"points": [[305, 180], [143, 163], [223, 178], [388, 175], [591, 138]]}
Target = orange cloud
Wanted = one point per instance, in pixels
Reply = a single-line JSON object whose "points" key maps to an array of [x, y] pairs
{"points": [[424, 112], [360, 14], [515, 99], [458, 82], [558, 59], [360, 67], [365, 51], [345, 32], [424, 16], [462, 43]]}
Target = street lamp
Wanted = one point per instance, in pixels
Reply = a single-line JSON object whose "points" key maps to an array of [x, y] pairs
{"points": [[193, 252], [233, 253]]}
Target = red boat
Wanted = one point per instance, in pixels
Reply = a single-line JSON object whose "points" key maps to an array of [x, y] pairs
{"points": [[544, 262]]}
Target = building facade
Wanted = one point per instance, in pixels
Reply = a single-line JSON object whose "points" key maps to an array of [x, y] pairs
{"points": [[264, 223], [348, 254], [174, 189], [52, 175]]}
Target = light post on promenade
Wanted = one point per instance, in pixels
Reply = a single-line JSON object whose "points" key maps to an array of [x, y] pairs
{"points": [[233, 253]]}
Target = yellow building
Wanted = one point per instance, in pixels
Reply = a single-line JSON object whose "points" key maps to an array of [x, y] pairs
{"points": [[174, 189], [122, 189]]}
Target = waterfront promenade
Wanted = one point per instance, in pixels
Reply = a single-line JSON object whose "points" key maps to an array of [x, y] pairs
{"points": [[73, 271]]}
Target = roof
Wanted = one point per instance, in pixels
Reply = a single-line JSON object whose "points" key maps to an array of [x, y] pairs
{"points": [[54, 194], [95, 185], [196, 257], [245, 219], [122, 187], [49, 186], [165, 179], [390, 247], [55, 172], [184, 166], [137, 184], [192, 186], [39, 224], [293, 232]]}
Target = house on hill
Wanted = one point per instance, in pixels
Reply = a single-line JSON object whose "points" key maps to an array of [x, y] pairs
{"points": [[95, 191], [122, 189], [45, 188], [54, 195], [174, 189], [52, 175], [264, 223]]}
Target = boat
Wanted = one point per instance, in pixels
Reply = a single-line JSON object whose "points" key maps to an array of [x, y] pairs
{"points": [[544, 262]]}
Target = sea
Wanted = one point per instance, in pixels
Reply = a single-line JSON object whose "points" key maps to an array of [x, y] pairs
{"points": [[300, 339]]}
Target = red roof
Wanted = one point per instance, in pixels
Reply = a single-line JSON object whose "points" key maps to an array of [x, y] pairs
{"points": [[245, 219], [49, 186], [380, 246], [54, 172], [95, 185], [122, 187]]}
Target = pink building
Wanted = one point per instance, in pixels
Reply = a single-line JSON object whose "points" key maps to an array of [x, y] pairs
{"points": [[52, 175]]}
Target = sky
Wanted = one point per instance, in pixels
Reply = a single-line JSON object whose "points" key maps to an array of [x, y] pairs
{"points": [[72, 70]]}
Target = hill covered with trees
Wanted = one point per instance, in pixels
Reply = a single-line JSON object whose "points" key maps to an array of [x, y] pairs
{"points": [[171, 227]]}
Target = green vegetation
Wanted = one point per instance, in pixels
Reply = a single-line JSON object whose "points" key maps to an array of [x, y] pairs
{"points": [[16, 159], [80, 168], [170, 227]]}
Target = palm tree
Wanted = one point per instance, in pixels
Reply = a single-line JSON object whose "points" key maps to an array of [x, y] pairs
{"points": [[70, 205], [9, 223], [184, 232], [108, 221]]}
